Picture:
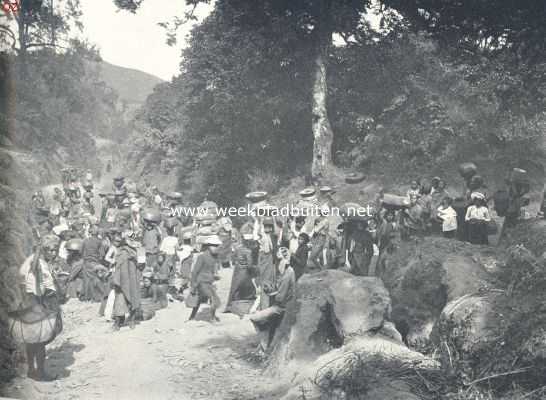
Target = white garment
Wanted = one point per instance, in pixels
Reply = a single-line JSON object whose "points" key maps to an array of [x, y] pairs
{"points": [[58, 229], [111, 214], [110, 256], [62, 251], [169, 245], [475, 212], [29, 277], [184, 251], [449, 218]]}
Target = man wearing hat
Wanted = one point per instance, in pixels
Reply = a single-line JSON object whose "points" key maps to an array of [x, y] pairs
{"points": [[204, 274], [126, 283]]}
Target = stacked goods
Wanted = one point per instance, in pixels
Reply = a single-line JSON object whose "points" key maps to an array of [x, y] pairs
{"points": [[207, 213], [394, 202], [210, 230], [151, 215], [353, 212], [308, 198], [174, 198], [256, 199], [519, 175], [467, 170], [206, 220], [355, 177]]}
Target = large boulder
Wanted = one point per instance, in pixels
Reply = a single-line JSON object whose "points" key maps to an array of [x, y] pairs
{"points": [[424, 276], [362, 365], [469, 321], [499, 330], [330, 308]]}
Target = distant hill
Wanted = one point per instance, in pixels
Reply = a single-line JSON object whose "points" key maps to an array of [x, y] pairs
{"points": [[133, 86]]}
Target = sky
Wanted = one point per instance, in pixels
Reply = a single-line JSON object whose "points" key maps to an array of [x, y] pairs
{"points": [[135, 40]]}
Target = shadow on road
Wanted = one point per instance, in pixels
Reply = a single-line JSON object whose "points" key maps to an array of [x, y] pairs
{"points": [[61, 358]]}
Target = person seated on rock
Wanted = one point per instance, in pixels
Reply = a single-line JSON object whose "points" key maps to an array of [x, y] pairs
{"points": [[298, 260], [265, 321], [477, 217], [360, 246]]}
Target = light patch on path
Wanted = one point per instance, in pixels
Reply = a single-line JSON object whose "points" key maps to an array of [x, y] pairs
{"points": [[164, 358]]}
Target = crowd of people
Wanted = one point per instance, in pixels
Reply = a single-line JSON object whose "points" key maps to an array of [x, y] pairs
{"points": [[132, 256]]}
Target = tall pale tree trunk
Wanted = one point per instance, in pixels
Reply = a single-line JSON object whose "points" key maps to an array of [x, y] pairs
{"points": [[322, 131]]}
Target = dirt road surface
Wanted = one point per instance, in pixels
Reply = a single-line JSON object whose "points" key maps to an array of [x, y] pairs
{"points": [[163, 358]]}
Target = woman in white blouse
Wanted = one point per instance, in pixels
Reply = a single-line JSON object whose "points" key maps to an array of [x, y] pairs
{"points": [[477, 217]]}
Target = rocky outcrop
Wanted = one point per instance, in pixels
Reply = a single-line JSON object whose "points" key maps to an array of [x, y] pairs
{"points": [[423, 277], [331, 307], [331, 374]]}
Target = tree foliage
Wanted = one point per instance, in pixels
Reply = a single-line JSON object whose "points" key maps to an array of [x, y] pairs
{"points": [[490, 25]]}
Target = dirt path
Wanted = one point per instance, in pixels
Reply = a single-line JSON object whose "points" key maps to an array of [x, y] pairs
{"points": [[164, 358]]}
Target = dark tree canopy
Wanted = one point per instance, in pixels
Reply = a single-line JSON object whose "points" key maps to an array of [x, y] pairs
{"points": [[486, 24]]}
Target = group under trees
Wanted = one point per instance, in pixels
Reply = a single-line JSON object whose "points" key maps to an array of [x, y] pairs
{"points": [[263, 86]]}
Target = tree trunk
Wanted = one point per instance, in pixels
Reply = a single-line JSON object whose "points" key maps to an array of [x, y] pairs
{"points": [[322, 131]]}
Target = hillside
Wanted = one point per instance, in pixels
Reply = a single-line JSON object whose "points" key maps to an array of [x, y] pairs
{"points": [[131, 85]]}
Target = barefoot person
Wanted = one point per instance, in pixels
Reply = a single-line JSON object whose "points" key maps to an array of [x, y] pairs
{"points": [[204, 273], [38, 319]]}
